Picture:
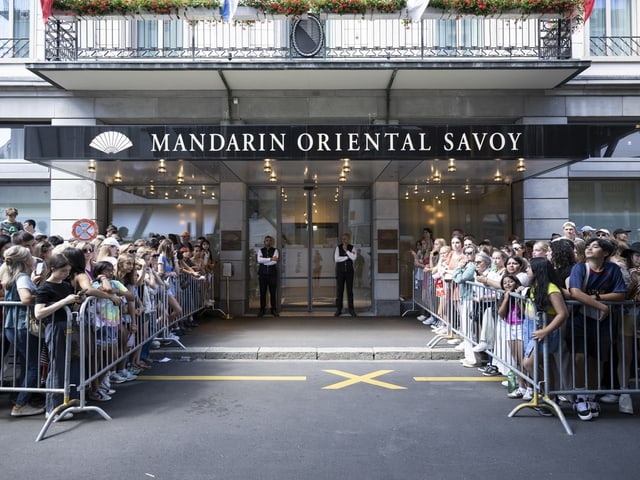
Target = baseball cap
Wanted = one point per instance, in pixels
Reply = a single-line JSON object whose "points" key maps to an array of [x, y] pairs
{"points": [[603, 230], [634, 248], [111, 242], [587, 228], [621, 230]]}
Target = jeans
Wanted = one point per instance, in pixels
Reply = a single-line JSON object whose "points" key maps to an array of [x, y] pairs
{"points": [[27, 352]]}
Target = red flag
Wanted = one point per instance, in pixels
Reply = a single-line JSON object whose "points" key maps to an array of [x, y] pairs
{"points": [[588, 8], [46, 9]]}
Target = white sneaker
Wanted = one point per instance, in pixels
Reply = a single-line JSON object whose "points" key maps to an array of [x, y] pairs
{"points": [[454, 341], [127, 375], [27, 411], [609, 398], [429, 321], [528, 394], [421, 318], [117, 378], [155, 344], [58, 417], [481, 347], [625, 404], [106, 387], [459, 347]]}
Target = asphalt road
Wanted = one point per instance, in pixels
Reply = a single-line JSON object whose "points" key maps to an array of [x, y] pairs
{"points": [[317, 420]]}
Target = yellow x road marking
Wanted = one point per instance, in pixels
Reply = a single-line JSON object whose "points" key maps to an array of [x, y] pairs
{"points": [[368, 378]]}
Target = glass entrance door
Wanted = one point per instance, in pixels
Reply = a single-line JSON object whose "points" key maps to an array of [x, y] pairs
{"points": [[310, 229], [311, 222]]}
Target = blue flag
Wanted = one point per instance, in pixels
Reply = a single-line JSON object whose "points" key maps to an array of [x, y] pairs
{"points": [[229, 9]]}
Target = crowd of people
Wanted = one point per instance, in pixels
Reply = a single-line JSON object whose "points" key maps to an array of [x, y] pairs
{"points": [[48, 273], [585, 266]]}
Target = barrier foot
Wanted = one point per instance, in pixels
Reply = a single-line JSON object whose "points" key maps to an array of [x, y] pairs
{"points": [[545, 401], [437, 339], [56, 414], [173, 340]]}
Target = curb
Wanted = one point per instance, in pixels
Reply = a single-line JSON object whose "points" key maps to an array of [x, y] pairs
{"points": [[308, 353]]}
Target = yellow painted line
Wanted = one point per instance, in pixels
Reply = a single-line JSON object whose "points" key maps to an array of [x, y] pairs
{"points": [[459, 379], [368, 378], [226, 378]]}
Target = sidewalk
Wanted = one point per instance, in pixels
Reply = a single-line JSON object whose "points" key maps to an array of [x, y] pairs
{"points": [[302, 336]]}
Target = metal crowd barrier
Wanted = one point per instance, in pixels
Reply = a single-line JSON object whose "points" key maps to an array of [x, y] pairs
{"points": [[96, 344], [19, 366], [610, 365]]}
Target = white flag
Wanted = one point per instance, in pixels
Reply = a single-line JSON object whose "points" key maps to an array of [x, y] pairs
{"points": [[415, 9], [229, 8]]}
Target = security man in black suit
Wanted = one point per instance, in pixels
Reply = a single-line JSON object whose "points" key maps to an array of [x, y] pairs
{"points": [[268, 276], [344, 257]]}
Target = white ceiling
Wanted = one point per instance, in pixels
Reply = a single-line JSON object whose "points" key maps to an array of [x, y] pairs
{"points": [[431, 75]]}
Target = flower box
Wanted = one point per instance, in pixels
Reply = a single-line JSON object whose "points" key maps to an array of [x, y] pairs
{"points": [[201, 14], [439, 14]]}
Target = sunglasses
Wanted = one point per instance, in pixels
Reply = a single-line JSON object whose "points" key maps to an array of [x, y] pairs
{"points": [[87, 250], [469, 252]]}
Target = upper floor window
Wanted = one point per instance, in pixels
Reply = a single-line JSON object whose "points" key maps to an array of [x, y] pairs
{"points": [[612, 30], [15, 21]]}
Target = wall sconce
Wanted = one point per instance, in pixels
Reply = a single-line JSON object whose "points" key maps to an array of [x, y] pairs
{"points": [[498, 176], [467, 189], [436, 176], [203, 189], [346, 168], [267, 165], [521, 166], [452, 165], [213, 195], [117, 177], [162, 167], [342, 177], [92, 166], [273, 178]]}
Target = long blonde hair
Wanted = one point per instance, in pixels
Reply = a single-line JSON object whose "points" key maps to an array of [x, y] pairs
{"points": [[17, 260]]}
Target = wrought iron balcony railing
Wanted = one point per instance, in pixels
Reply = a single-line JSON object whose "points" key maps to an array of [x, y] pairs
{"points": [[614, 46], [14, 48], [322, 40]]}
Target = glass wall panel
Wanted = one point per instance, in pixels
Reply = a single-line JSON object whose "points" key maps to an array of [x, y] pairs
{"points": [[139, 217], [606, 204], [12, 143], [484, 213], [33, 201], [263, 221], [356, 216]]}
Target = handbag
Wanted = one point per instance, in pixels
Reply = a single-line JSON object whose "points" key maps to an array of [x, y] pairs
{"points": [[36, 328]]}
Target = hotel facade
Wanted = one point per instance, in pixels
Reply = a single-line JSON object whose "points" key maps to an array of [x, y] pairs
{"points": [[307, 127]]}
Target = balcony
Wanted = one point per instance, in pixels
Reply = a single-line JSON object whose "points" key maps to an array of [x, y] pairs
{"points": [[315, 52]]}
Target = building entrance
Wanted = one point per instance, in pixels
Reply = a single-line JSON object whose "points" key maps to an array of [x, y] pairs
{"points": [[310, 222]]}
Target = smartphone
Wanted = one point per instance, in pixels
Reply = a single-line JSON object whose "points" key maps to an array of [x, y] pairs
{"points": [[39, 268], [82, 292]]}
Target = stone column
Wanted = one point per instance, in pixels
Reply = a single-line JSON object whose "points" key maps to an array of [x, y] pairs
{"points": [[386, 216], [233, 219], [545, 205]]}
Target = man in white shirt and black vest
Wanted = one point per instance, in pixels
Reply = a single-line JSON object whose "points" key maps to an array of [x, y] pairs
{"points": [[268, 276], [344, 257]]}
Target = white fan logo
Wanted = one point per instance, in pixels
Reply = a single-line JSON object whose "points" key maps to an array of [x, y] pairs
{"points": [[111, 142]]}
